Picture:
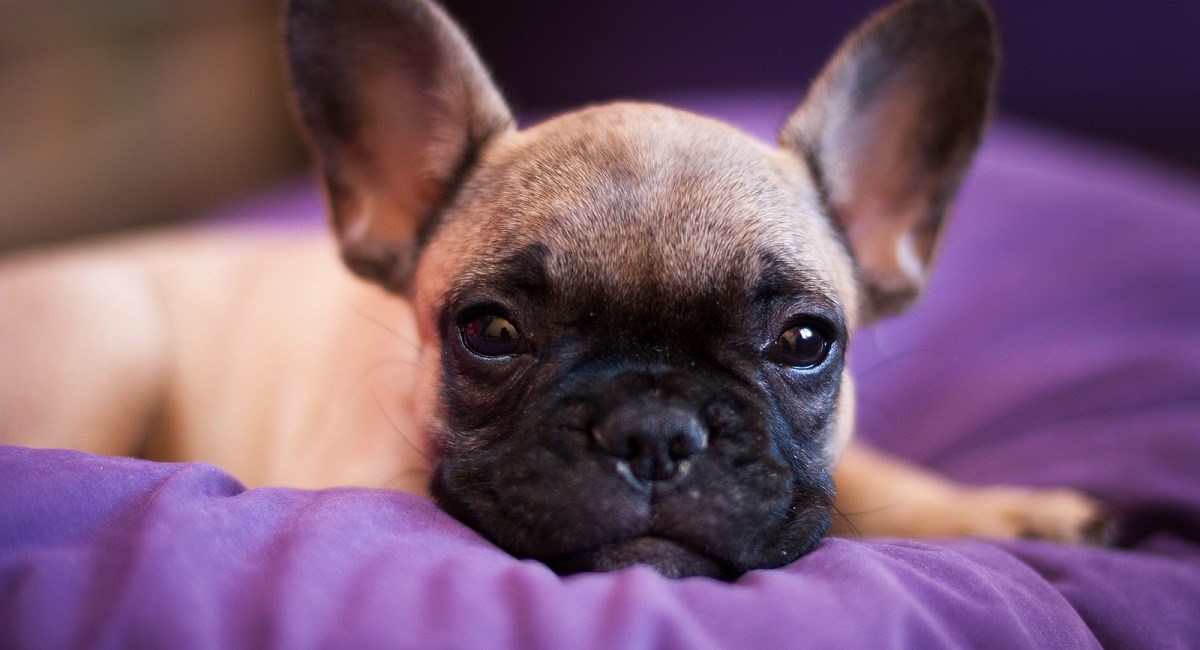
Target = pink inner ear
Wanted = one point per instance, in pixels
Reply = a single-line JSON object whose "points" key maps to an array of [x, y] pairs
{"points": [[430, 192], [883, 245], [890, 126], [397, 102], [874, 189], [872, 156]]}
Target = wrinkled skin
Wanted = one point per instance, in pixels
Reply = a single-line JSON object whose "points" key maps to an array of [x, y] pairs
{"points": [[529, 470]]}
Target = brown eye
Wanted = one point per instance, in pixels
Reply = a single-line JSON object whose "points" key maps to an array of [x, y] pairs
{"points": [[490, 335], [804, 345]]}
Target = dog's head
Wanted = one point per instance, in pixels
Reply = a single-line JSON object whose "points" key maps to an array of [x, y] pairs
{"points": [[635, 319]]}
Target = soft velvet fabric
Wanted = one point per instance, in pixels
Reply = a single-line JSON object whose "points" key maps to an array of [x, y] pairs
{"points": [[1058, 344]]}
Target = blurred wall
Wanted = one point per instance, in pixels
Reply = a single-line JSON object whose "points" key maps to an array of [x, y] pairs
{"points": [[116, 113], [1122, 70]]}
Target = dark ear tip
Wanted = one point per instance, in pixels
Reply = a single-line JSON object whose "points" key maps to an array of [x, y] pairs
{"points": [[300, 18], [977, 9], [978, 14], [964, 17], [968, 27], [296, 11]]}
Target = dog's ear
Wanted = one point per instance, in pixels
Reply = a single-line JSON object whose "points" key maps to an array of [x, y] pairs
{"points": [[398, 106], [887, 131]]}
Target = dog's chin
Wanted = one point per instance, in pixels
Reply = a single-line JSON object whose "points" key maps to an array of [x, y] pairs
{"points": [[669, 557]]}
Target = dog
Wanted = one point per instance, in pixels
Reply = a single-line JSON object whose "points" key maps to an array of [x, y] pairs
{"points": [[616, 337]]}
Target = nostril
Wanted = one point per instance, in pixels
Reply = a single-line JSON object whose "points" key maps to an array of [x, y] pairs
{"points": [[633, 448], [662, 469], [688, 441], [683, 446], [652, 439]]}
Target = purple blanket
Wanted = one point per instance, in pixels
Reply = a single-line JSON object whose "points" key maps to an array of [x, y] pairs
{"points": [[1058, 344]]}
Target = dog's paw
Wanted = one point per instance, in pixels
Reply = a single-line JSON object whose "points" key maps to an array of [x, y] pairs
{"points": [[1061, 515]]}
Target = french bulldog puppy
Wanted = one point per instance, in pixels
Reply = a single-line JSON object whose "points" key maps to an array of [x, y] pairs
{"points": [[616, 337]]}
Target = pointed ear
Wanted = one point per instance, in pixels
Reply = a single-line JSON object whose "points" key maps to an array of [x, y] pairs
{"points": [[887, 131], [398, 106]]}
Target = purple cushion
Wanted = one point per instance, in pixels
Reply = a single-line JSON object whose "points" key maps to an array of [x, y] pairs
{"points": [[1057, 345]]}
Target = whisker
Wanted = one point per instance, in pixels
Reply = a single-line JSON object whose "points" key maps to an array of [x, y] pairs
{"points": [[871, 511], [391, 330], [857, 533], [399, 430], [473, 486], [861, 374], [415, 471]]}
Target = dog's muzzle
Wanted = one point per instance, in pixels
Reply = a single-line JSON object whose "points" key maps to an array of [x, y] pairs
{"points": [[689, 474]]}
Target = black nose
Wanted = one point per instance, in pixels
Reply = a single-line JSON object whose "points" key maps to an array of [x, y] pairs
{"points": [[652, 438]]}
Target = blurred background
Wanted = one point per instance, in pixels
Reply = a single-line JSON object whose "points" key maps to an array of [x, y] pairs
{"points": [[122, 113]]}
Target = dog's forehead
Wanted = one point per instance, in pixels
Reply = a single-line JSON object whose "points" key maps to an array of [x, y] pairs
{"points": [[631, 196]]}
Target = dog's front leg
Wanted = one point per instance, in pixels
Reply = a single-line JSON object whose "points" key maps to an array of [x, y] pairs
{"points": [[880, 496], [83, 353]]}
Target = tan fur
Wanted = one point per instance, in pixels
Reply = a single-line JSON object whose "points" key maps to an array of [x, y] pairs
{"points": [[259, 354], [562, 182]]}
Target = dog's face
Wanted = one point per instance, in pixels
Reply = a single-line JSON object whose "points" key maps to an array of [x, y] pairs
{"points": [[618, 386], [635, 319]]}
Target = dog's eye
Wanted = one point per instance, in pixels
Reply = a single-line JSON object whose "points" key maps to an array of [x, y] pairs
{"points": [[804, 345], [492, 336]]}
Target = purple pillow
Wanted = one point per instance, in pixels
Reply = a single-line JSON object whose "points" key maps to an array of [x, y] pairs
{"points": [[1058, 344]]}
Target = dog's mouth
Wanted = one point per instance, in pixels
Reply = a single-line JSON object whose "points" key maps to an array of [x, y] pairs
{"points": [[719, 527], [670, 557]]}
